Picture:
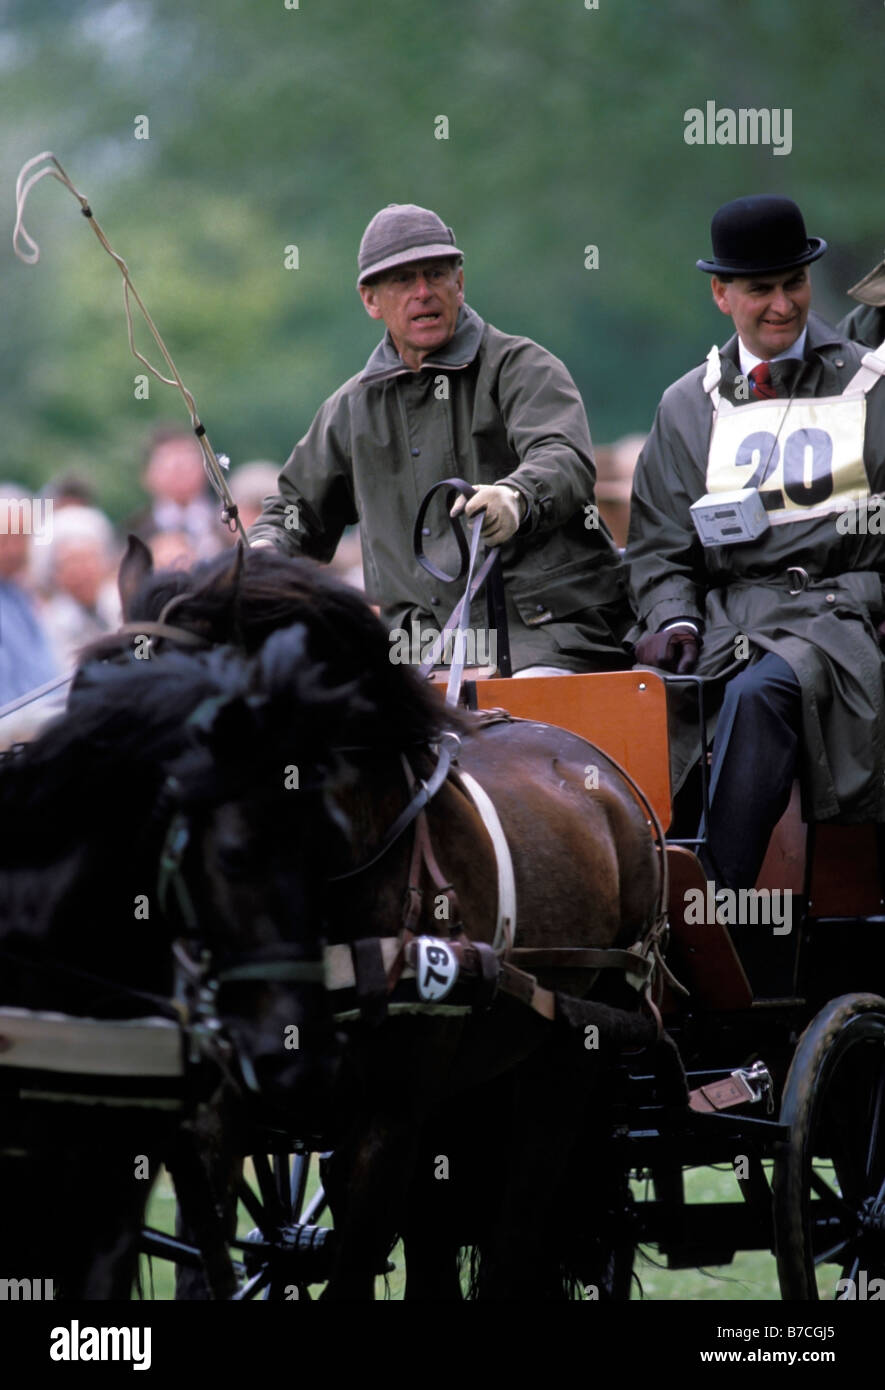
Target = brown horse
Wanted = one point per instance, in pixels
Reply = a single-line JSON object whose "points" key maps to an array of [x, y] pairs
{"points": [[416, 1086]]}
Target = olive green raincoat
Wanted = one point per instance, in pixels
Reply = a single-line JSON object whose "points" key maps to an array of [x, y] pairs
{"points": [[487, 407]]}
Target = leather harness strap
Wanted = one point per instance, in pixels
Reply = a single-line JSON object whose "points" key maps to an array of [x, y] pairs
{"points": [[423, 856], [370, 978], [747, 1085], [492, 966], [167, 630], [347, 968], [582, 958], [448, 742]]}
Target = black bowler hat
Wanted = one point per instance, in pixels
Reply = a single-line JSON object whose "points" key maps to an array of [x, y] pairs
{"points": [[759, 235]]}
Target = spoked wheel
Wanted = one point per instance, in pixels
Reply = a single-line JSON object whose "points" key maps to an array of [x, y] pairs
{"points": [[829, 1180], [286, 1251]]}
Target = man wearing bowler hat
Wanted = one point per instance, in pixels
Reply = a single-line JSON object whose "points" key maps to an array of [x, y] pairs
{"points": [[445, 394], [780, 604]]}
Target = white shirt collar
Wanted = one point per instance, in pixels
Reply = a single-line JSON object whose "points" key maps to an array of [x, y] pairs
{"points": [[748, 361]]}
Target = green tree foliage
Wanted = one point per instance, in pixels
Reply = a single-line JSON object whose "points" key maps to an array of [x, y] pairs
{"points": [[272, 127]]}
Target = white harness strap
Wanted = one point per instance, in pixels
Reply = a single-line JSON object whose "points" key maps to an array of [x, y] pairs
{"points": [[505, 926], [872, 368], [90, 1047], [713, 377], [338, 963]]}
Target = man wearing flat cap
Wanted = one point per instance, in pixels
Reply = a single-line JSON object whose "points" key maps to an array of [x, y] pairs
{"points": [[443, 395], [779, 438]]}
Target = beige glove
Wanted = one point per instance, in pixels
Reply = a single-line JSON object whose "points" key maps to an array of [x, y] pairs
{"points": [[505, 509]]}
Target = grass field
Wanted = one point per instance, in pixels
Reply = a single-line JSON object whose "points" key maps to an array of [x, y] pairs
{"points": [[752, 1275]]}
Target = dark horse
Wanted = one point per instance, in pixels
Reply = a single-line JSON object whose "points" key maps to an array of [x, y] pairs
{"points": [[147, 870], [417, 1092]]}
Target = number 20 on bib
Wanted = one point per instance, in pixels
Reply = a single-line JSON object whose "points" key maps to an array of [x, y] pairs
{"points": [[805, 456]]}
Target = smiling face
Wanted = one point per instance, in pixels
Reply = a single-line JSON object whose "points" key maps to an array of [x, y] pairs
{"points": [[419, 303], [769, 311]]}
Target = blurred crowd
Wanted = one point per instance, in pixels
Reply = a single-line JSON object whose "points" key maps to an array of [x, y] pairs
{"points": [[59, 555]]}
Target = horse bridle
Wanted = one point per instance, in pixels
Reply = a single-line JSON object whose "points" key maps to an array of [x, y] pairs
{"points": [[449, 743], [162, 628], [198, 975]]}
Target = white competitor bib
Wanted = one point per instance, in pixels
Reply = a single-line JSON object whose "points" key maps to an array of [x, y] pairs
{"points": [[804, 455]]}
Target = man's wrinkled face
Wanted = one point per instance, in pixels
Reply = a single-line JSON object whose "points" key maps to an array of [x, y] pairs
{"points": [[769, 311], [419, 303]]}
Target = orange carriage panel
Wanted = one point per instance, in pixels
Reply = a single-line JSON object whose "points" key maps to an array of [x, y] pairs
{"points": [[623, 712]]}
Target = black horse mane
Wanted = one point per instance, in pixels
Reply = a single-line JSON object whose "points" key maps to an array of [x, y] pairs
{"points": [[244, 600], [218, 722], [103, 758]]}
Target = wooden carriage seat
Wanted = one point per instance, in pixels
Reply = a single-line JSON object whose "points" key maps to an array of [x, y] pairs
{"points": [[625, 714]]}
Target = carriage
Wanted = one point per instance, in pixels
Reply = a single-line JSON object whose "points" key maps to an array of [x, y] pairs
{"points": [[780, 1034], [767, 1056]]}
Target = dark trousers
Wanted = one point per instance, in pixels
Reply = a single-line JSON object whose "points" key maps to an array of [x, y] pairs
{"points": [[754, 763]]}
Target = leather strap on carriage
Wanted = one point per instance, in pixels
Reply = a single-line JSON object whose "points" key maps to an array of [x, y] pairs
{"points": [[747, 1085]]}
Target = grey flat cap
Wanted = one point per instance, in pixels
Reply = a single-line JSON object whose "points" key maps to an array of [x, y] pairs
{"points": [[871, 289], [400, 233]]}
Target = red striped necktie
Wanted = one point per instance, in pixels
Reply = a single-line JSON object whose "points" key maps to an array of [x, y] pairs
{"points": [[761, 379]]}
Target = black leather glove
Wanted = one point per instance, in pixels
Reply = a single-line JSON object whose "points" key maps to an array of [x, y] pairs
{"points": [[675, 650]]}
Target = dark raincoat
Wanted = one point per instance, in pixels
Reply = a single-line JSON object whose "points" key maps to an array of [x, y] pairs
{"points": [[486, 407], [826, 632]]}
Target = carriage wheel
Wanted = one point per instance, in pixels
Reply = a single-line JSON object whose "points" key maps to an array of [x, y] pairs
{"points": [[829, 1179], [286, 1251]]}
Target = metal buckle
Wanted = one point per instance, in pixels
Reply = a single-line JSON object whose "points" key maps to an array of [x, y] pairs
{"points": [[801, 580], [758, 1079]]}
